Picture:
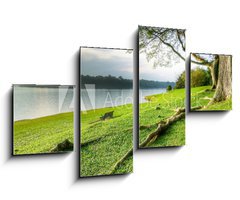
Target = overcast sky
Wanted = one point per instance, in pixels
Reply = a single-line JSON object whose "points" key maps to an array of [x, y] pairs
{"points": [[148, 72], [104, 62]]}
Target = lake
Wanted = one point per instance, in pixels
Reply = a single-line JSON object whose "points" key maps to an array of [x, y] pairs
{"points": [[101, 98], [147, 92], [34, 102]]}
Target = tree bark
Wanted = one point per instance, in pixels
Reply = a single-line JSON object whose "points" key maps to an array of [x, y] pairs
{"points": [[214, 72], [224, 83]]}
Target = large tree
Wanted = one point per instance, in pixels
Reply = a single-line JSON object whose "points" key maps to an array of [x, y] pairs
{"points": [[221, 72], [165, 47], [224, 84]]}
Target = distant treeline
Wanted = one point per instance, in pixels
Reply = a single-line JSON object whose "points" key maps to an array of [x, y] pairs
{"points": [[145, 84], [112, 82]]}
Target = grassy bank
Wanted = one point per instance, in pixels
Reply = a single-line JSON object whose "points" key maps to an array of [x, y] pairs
{"points": [[201, 96], [40, 135], [105, 142], [159, 108]]}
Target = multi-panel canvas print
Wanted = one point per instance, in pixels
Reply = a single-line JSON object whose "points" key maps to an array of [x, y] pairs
{"points": [[210, 82], [161, 87], [106, 130], [43, 119]]}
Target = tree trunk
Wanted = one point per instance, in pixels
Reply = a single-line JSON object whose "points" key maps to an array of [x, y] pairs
{"points": [[224, 83], [214, 72]]}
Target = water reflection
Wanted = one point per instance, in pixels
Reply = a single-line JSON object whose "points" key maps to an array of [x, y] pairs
{"points": [[34, 101]]}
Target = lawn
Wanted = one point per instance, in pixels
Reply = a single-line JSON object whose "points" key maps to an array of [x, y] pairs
{"points": [[105, 142], [41, 135], [159, 108], [201, 96]]}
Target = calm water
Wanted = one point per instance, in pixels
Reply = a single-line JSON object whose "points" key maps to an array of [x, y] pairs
{"points": [[34, 102], [101, 98], [146, 92]]}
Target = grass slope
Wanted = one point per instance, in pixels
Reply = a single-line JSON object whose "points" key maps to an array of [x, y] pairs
{"points": [[104, 143], [160, 107], [201, 96], [40, 135]]}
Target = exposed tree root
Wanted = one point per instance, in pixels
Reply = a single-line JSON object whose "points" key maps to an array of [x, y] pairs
{"points": [[146, 126], [129, 153], [163, 125], [206, 98], [196, 107]]}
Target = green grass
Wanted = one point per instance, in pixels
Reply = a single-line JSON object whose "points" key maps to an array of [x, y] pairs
{"points": [[104, 143], [201, 96], [160, 107], [36, 136]]}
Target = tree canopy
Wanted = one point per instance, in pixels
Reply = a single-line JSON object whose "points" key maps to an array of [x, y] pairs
{"points": [[164, 46], [180, 83], [200, 77]]}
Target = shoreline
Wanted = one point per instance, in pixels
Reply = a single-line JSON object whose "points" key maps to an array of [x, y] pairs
{"points": [[29, 119]]}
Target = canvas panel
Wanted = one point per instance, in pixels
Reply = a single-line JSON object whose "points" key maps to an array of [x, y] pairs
{"points": [[210, 82], [161, 87], [43, 119], [106, 133]]}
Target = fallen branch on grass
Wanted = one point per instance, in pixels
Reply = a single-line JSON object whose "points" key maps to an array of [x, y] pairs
{"points": [[163, 125], [129, 153]]}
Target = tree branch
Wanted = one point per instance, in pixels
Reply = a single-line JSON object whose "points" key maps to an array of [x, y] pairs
{"points": [[180, 40], [201, 61], [170, 46]]}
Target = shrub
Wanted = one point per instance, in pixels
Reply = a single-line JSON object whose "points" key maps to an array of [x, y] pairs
{"points": [[169, 88]]}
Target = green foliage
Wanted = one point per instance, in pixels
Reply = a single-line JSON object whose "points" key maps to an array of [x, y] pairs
{"points": [[40, 135], [180, 81], [169, 88], [200, 77], [112, 82], [163, 46]]}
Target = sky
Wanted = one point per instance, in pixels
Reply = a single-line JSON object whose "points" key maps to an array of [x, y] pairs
{"points": [[148, 72], [104, 62]]}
